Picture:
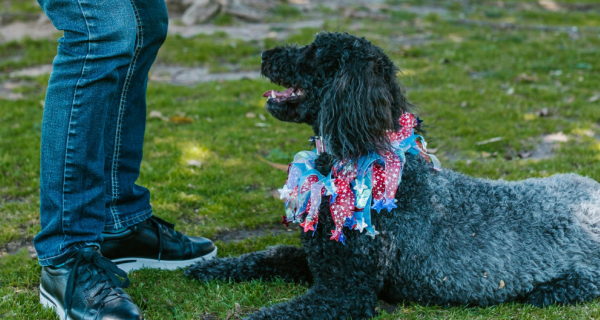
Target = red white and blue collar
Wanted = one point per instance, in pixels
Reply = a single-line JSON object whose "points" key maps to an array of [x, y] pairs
{"points": [[353, 186]]}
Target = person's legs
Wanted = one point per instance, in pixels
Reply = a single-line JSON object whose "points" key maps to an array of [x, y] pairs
{"points": [[126, 202], [99, 40], [132, 238]]}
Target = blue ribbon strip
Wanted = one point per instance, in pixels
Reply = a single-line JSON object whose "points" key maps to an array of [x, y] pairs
{"points": [[303, 167]]}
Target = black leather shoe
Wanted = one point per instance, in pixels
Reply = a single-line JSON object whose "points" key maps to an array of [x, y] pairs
{"points": [[154, 243], [86, 286]]}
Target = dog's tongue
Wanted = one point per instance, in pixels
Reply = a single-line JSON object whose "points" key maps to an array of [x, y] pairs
{"points": [[279, 94]]}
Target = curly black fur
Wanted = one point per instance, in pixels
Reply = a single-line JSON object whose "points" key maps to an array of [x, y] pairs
{"points": [[453, 240], [351, 94]]}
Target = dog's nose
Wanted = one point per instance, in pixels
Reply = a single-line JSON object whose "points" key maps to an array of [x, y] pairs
{"points": [[263, 55]]}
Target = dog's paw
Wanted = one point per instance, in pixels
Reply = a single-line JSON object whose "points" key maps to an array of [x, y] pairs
{"points": [[207, 270]]}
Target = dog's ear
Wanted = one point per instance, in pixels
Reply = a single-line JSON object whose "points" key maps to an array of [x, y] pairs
{"points": [[356, 110]]}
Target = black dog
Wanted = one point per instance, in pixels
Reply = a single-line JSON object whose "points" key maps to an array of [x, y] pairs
{"points": [[452, 240]]}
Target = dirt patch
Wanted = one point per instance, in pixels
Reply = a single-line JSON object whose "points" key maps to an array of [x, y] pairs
{"points": [[242, 234], [16, 246], [248, 31], [7, 92], [388, 307], [19, 30], [545, 148], [32, 72]]}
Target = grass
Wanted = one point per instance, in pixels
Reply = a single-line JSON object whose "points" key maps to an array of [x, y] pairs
{"points": [[470, 84]]}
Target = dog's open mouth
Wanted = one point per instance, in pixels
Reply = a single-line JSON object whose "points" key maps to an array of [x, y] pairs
{"points": [[289, 95]]}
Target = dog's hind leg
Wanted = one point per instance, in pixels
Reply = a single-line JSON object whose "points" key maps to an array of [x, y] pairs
{"points": [[286, 262], [353, 301], [571, 288]]}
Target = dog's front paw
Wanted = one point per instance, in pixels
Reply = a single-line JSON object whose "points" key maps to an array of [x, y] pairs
{"points": [[213, 269]]}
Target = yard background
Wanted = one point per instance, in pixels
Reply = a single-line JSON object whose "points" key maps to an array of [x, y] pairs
{"points": [[509, 90]]}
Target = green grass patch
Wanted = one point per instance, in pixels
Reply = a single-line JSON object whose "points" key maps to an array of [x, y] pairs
{"points": [[26, 53]]}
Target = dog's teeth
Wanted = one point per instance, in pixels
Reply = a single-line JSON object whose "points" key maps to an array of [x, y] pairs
{"points": [[273, 94]]}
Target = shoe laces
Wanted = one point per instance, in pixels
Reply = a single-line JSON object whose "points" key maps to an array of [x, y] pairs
{"points": [[106, 275], [164, 227]]}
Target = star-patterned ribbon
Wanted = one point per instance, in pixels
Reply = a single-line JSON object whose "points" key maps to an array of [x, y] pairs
{"points": [[352, 185]]}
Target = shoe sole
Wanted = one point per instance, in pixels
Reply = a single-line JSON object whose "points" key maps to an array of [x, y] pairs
{"points": [[49, 303], [130, 264]]}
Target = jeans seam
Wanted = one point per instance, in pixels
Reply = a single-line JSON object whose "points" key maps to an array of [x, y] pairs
{"points": [[136, 216], [62, 211], [73, 247], [116, 153]]}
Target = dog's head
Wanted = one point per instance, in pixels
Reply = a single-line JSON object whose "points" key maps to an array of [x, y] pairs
{"points": [[341, 85]]}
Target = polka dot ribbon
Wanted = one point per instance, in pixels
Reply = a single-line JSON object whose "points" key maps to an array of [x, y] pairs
{"points": [[354, 186]]}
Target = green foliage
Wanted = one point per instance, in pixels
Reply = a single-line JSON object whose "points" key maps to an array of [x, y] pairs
{"points": [[26, 53], [222, 20], [286, 11], [205, 50]]}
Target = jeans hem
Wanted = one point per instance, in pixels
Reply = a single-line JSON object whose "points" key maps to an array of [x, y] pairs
{"points": [[130, 220], [62, 257]]}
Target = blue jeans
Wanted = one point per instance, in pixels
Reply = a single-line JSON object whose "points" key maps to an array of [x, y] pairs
{"points": [[94, 121]]}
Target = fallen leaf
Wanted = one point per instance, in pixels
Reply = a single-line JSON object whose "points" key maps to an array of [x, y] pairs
{"points": [[501, 284], [530, 116], [556, 72], [194, 163], [262, 117], [542, 113], [455, 38], [158, 115], [489, 141], [556, 137], [261, 124], [569, 100], [277, 166], [208, 119], [488, 155], [524, 155], [549, 5], [464, 104], [523, 77], [510, 91], [250, 115], [191, 186], [588, 133], [181, 119], [42, 103], [594, 98]]}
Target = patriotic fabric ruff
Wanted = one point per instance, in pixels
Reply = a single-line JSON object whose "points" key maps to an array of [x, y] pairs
{"points": [[353, 186]]}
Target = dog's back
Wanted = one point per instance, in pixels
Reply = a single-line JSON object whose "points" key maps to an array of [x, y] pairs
{"points": [[462, 240]]}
